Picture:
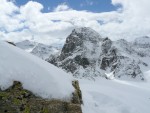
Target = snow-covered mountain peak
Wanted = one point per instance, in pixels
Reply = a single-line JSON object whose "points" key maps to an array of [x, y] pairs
{"points": [[41, 50], [86, 32], [86, 54], [27, 45], [81, 40]]}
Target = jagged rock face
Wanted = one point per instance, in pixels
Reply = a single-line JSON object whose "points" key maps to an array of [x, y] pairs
{"points": [[81, 40], [84, 42], [87, 54], [106, 45], [121, 59], [142, 44], [109, 59], [129, 68], [18, 100]]}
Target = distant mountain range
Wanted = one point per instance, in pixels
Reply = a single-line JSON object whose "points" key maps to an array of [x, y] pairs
{"points": [[41, 50], [86, 54]]}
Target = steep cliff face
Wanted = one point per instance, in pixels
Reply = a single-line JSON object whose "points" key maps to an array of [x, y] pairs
{"points": [[18, 100], [86, 54], [81, 41]]}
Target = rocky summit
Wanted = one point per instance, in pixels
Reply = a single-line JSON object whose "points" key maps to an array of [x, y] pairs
{"points": [[86, 54]]}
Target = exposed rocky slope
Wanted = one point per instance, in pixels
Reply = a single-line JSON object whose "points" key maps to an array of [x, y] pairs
{"points": [[143, 42], [38, 49], [18, 100], [87, 54]]}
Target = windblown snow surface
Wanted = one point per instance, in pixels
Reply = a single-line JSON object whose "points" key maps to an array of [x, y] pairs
{"points": [[116, 96], [36, 75]]}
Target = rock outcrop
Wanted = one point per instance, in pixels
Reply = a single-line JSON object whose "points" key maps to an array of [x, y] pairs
{"points": [[86, 54], [18, 100], [11, 43]]}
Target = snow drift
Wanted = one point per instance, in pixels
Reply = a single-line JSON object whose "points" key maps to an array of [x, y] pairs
{"points": [[36, 75]]}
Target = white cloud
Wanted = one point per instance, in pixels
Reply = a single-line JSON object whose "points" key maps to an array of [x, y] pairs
{"points": [[8, 20], [19, 23], [62, 7], [135, 17], [31, 10], [7, 7]]}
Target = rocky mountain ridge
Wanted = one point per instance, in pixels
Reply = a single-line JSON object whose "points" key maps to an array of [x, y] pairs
{"points": [[86, 54], [38, 49]]}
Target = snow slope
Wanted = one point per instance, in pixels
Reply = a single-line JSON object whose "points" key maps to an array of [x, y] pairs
{"points": [[36, 75], [115, 96]]}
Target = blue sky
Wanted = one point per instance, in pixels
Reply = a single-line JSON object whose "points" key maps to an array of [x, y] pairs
{"points": [[89, 5]]}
